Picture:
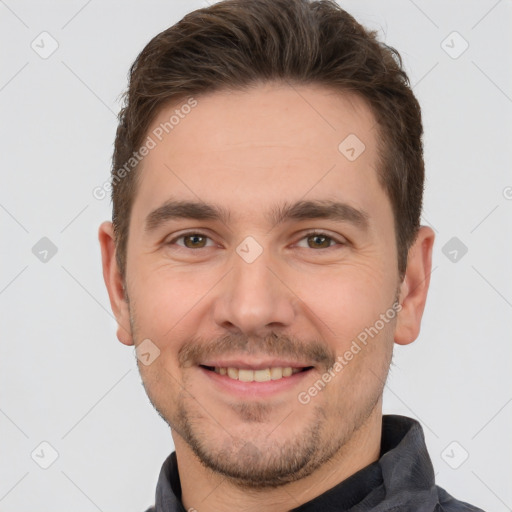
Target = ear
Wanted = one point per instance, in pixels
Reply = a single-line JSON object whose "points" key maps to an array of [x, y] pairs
{"points": [[114, 283], [414, 287]]}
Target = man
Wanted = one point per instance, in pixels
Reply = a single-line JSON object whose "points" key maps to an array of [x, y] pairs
{"points": [[265, 254]]}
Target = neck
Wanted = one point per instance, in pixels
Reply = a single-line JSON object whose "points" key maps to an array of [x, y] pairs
{"points": [[207, 491]]}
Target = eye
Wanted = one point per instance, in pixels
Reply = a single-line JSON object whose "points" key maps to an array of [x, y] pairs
{"points": [[313, 240], [192, 240], [320, 240]]}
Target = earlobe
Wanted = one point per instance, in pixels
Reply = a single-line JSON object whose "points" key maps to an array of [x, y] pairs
{"points": [[414, 288], [114, 283]]}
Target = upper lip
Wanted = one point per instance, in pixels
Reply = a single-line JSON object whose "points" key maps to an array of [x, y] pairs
{"points": [[255, 364]]}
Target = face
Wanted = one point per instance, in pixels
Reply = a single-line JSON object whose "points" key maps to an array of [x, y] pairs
{"points": [[260, 253]]}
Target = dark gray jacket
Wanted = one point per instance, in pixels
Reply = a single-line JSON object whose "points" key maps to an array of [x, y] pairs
{"points": [[402, 480]]}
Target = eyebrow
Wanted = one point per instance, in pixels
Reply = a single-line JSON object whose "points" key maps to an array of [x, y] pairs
{"points": [[301, 210]]}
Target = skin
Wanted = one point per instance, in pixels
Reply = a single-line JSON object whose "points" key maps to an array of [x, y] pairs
{"points": [[246, 451]]}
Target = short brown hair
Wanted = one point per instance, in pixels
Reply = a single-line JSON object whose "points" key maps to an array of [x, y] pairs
{"points": [[234, 44]]}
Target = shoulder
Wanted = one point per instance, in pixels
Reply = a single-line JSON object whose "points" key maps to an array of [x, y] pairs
{"points": [[448, 503]]}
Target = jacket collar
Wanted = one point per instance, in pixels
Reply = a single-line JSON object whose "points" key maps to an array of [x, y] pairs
{"points": [[402, 479]]}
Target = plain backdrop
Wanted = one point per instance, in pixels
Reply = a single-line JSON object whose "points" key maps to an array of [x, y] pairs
{"points": [[67, 382]]}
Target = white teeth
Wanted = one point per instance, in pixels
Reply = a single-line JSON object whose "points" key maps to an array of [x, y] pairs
{"points": [[245, 375], [276, 373], [287, 371], [264, 375]]}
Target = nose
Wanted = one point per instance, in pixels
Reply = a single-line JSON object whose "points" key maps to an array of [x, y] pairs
{"points": [[254, 299]]}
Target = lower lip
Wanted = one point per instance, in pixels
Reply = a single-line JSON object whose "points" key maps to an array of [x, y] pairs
{"points": [[255, 389]]}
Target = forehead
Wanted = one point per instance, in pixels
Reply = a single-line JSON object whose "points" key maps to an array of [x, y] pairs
{"points": [[268, 116], [273, 143]]}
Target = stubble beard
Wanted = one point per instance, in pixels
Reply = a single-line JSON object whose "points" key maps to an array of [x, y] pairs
{"points": [[262, 462]]}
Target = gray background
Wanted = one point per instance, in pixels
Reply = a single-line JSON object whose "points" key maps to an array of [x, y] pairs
{"points": [[64, 377]]}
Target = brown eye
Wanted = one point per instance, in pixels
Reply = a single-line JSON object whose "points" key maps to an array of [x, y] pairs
{"points": [[319, 241], [194, 241], [191, 240]]}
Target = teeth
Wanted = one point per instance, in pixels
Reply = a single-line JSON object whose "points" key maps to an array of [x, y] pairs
{"points": [[262, 375], [276, 373], [245, 375], [267, 374]]}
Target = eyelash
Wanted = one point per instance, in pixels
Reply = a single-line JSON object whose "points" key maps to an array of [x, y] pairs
{"points": [[306, 235]]}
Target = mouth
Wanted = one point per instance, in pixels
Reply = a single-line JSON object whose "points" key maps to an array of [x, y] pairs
{"points": [[271, 373], [256, 379]]}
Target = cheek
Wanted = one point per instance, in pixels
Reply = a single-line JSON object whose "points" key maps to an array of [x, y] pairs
{"points": [[166, 301], [351, 309], [345, 301]]}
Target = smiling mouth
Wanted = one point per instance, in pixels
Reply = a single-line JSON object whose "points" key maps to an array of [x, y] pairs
{"points": [[263, 375]]}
